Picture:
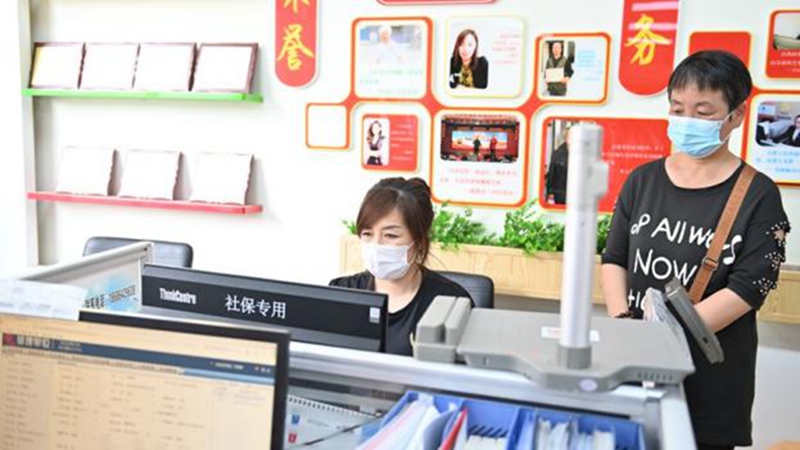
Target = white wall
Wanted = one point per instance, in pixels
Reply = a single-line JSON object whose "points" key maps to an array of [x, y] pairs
{"points": [[305, 193], [18, 241]]}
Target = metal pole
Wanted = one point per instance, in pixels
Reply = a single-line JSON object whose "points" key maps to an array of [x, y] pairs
{"points": [[587, 183]]}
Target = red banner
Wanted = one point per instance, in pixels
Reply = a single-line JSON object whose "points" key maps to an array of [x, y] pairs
{"points": [[627, 144], [647, 53], [736, 42], [295, 41]]}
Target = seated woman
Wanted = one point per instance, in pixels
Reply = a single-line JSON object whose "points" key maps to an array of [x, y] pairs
{"points": [[394, 225]]}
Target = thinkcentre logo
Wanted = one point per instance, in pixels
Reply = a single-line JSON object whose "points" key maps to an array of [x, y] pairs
{"points": [[177, 296]]}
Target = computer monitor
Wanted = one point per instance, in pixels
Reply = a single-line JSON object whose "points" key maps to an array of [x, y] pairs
{"points": [[317, 314], [123, 381], [111, 278]]}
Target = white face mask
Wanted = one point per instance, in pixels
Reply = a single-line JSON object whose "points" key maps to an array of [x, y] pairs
{"points": [[386, 262]]}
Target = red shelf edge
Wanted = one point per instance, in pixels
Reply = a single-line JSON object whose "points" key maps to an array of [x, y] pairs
{"points": [[145, 203]]}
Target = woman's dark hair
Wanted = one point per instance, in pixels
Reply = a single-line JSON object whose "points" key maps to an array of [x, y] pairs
{"points": [[412, 198], [370, 135], [473, 63], [714, 70]]}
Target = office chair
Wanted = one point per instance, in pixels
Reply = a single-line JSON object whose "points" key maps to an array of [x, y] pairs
{"points": [[479, 287], [165, 253]]}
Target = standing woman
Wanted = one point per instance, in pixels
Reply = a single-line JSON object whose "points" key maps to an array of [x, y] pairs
{"points": [[375, 140], [664, 219], [394, 225], [466, 67]]}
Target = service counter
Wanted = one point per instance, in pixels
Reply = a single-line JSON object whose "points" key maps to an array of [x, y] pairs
{"points": [[373, 382]]}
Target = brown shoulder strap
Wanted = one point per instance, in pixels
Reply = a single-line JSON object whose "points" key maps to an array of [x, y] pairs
{"points": [[711, 260]]}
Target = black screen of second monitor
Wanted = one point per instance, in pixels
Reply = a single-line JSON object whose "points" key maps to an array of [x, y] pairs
{"points": [[316, 314]]}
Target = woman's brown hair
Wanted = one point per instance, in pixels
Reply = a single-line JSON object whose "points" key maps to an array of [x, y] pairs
{"points": [[473, 63], [412, 198], [370, 134]]}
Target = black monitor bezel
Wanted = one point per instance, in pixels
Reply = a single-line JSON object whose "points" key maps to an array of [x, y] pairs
{"points": [[279, 337], [342, 295]]}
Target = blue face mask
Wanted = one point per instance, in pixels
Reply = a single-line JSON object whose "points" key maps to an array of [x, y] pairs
{"points": [[697, 138]]}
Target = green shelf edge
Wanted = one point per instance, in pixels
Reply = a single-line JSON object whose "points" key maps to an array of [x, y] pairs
{"points": [[203, 96]]}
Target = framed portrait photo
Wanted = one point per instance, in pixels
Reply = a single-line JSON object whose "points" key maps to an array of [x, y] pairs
{"points": [[485, 57]]}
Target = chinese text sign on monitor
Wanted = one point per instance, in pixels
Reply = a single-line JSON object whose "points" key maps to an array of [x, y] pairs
{"points": [[318, 314], [126, 382]]}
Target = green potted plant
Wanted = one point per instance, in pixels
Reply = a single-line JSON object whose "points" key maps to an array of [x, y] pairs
{"points": [[524, 260]]}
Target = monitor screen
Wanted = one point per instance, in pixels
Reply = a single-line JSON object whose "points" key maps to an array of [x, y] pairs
{"points": [[123, 381], [317, 314]]}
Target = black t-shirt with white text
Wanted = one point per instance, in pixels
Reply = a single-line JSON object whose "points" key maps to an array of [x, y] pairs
{"points": [[403, 323], [660, 231]]}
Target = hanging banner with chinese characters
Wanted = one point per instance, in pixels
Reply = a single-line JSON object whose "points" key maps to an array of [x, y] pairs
{"points": [[647, 52], [296, 41]]}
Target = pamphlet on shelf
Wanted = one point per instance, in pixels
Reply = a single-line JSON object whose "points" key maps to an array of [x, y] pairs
{"points": [[150, 174], [109, 66], [221, 178], [225, 67], [83, 170], [164, 67], [56, 65]]}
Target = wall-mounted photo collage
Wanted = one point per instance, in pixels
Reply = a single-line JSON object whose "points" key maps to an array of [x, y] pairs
{"points": [[482, 79]]}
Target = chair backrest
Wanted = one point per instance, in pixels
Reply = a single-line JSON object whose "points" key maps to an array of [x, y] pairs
{"points": [[165, 253], [479, 287]]}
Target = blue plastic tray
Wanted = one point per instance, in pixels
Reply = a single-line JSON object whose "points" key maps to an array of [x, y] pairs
{"points": [[517, 424]]}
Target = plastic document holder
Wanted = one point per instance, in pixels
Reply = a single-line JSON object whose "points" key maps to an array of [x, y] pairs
{"points": [[516, 425]]}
